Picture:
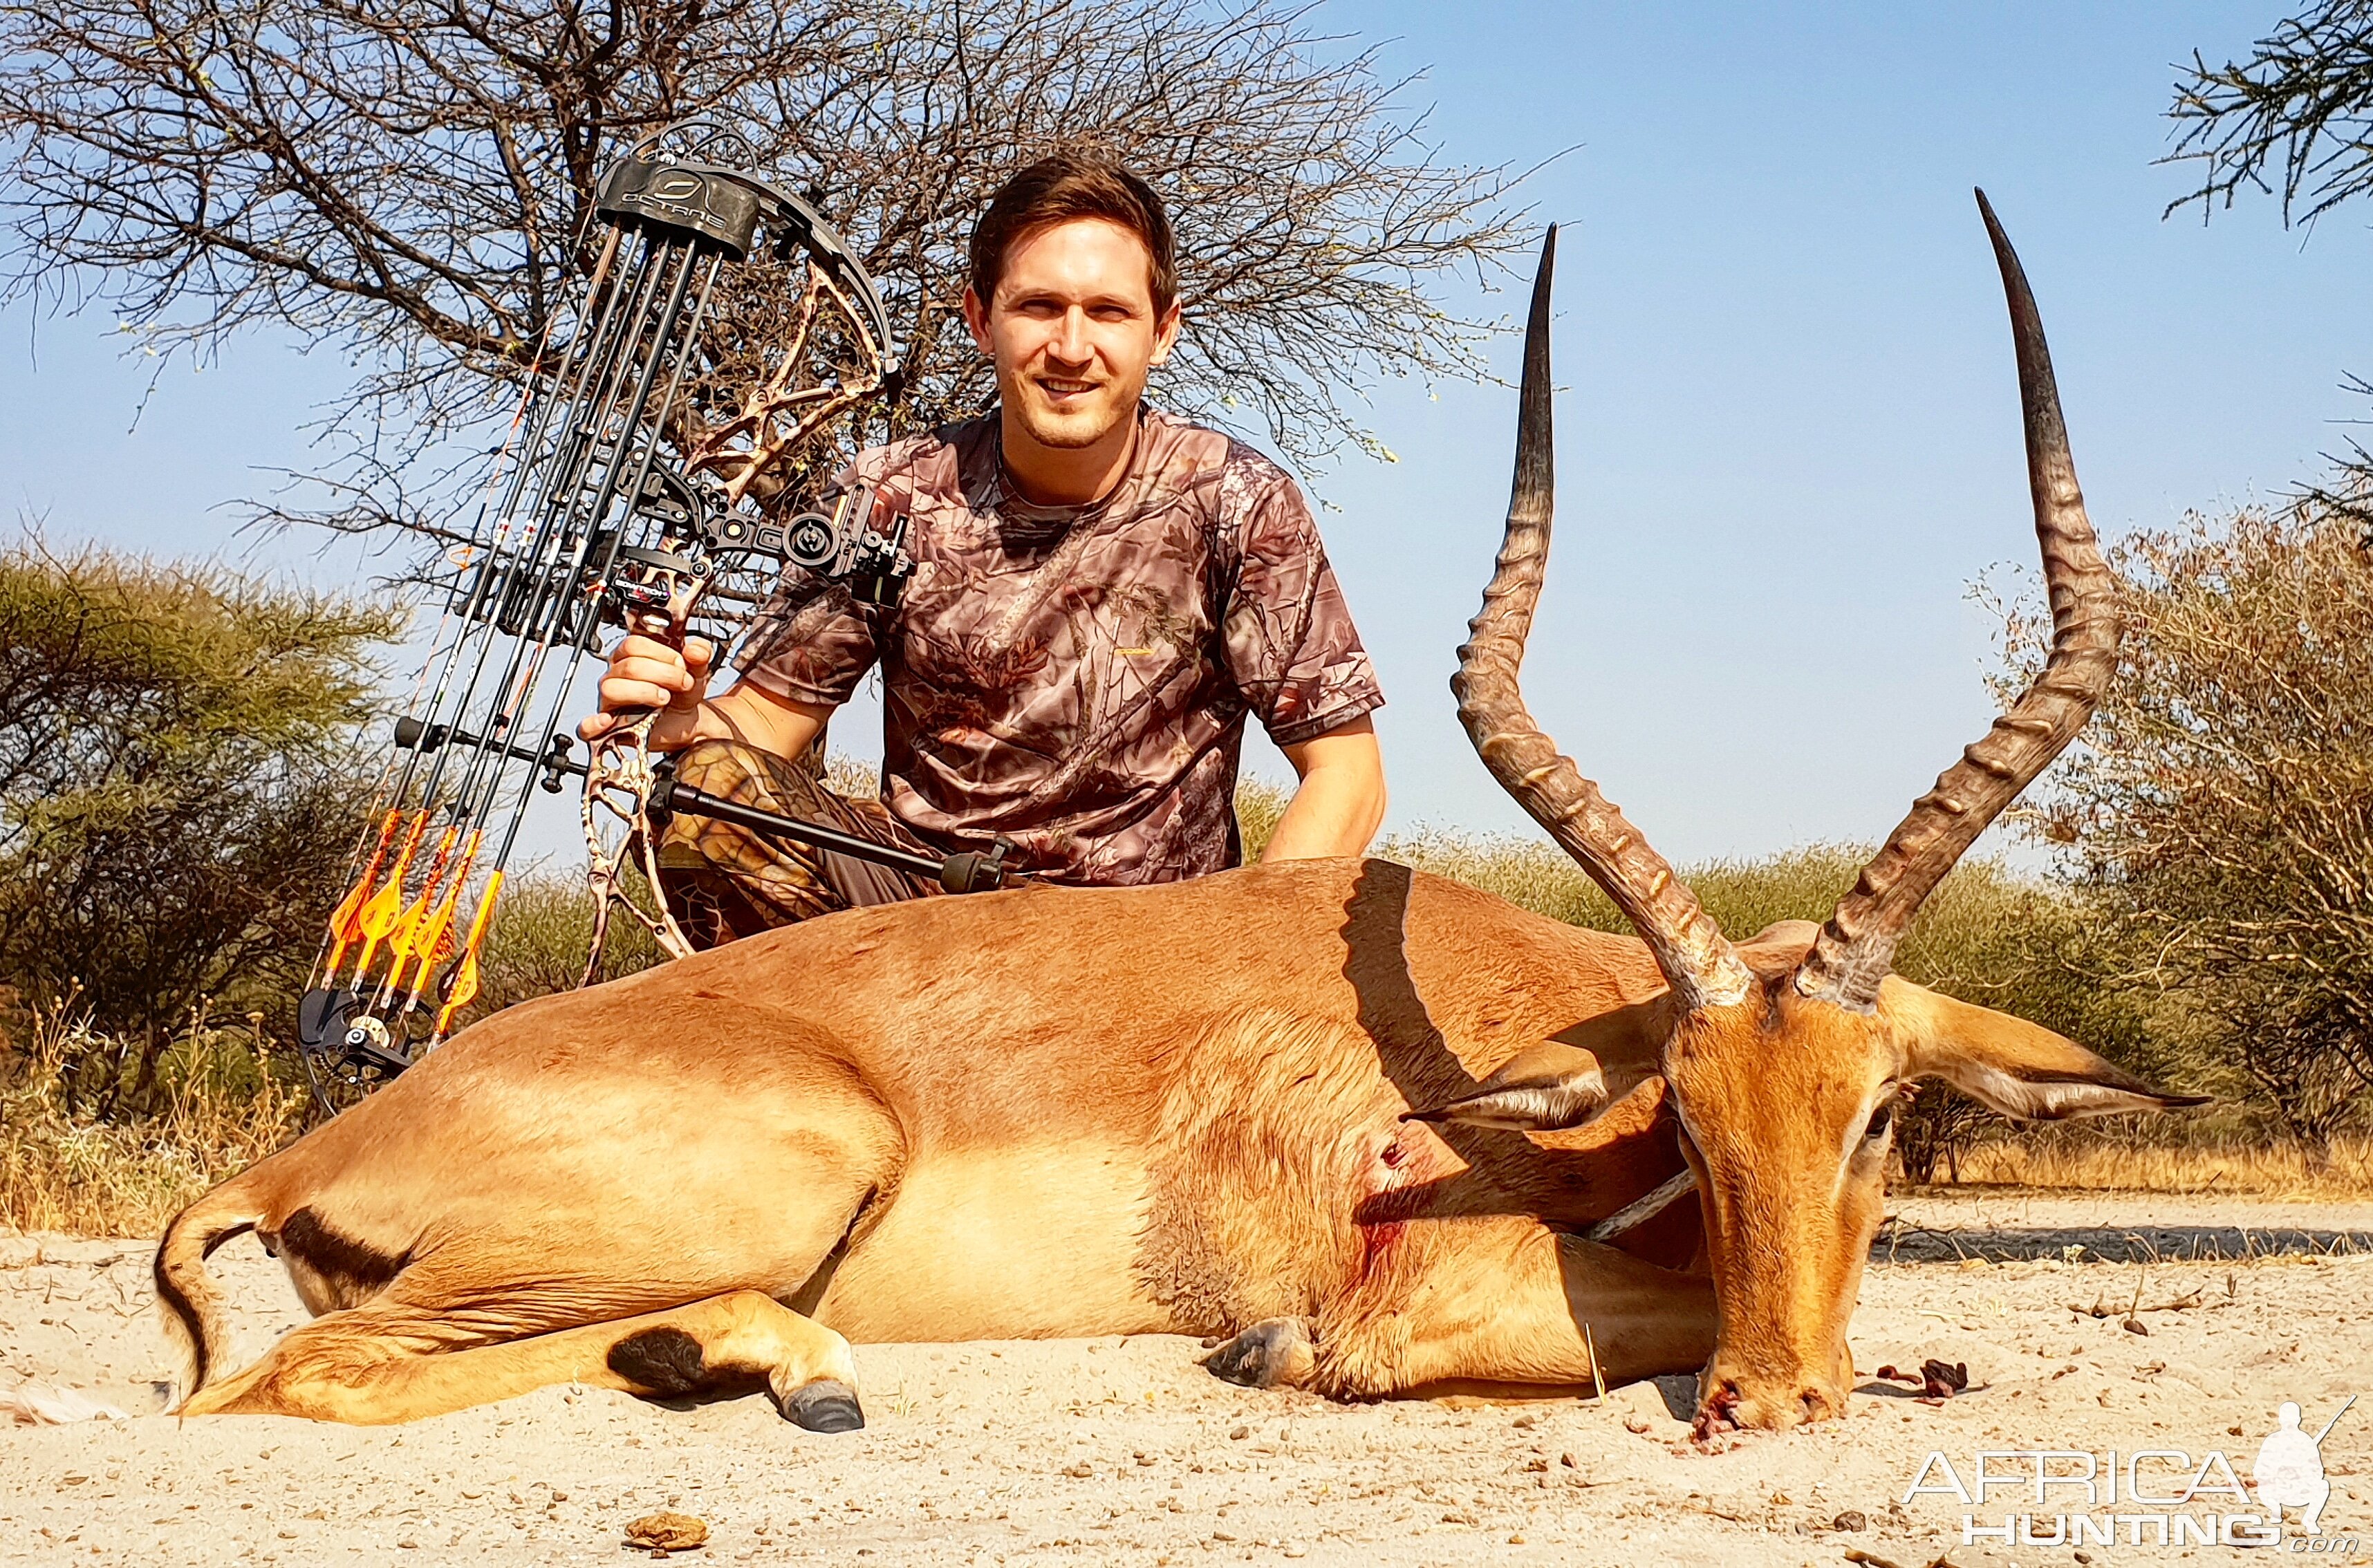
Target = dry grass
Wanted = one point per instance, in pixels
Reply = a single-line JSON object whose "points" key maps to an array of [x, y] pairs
{"points": [[64, 1171], [226, 1102], [2271, 1169]]}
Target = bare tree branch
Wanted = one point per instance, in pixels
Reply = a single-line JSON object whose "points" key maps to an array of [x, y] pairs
{"points": [[406, 184], [2297, 116]]}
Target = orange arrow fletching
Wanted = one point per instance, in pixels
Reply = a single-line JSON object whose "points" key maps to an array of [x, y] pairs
{"points": [[345, 921], [434, 944], [401, 944], [386, 906]]}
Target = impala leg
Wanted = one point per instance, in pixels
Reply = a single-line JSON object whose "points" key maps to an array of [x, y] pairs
{"points": [[1505, 1301], [1275, 1353], [381, 1364]]}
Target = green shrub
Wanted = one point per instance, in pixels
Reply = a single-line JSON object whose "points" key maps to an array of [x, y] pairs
{"points": [[180, 787]]}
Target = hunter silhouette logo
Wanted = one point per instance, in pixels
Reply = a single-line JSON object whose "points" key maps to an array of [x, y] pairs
{"points": [[2143, 1496], [2289, 1471]]}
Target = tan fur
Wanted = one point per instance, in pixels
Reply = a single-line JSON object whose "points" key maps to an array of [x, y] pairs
{"points": [[1040, 1113], [1776, 1094]]}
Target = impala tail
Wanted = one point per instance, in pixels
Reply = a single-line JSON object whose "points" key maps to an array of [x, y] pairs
{"points": [[192, 1306]]}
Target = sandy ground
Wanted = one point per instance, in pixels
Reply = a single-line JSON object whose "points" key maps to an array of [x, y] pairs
{"points": [[1127, 1452]]}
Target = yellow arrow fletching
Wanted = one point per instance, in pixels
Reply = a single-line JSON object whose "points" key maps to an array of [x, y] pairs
{"points": [[401, 941], [434, 942], [463, 987]]}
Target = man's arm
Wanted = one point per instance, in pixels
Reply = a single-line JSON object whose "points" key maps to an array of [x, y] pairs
{"points": [[645, 672], [773, 724], [1341, 801]]}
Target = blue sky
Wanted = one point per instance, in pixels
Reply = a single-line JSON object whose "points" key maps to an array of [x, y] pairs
{"points": [[1789, 437]]}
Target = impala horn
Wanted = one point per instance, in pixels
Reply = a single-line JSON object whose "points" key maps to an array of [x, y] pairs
{"points": [[1855, 949], [1697, 959]]}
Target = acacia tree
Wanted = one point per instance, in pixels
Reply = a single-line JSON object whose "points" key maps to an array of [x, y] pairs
{"points": [[2218, 813], [2294, 120], [2226, 808], [178, 789], [407, 182]]}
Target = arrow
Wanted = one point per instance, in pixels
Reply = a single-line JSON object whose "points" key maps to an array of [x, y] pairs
{"points": [[401, 944], [386, 906], [465, 984], [344, 927], [435, 943]]}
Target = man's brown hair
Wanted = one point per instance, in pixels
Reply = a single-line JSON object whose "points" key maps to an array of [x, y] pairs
{"points": [[1061, 189]]}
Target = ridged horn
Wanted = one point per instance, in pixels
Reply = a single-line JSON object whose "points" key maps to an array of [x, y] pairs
{"points": [[1696, 958], [1856, 947]]}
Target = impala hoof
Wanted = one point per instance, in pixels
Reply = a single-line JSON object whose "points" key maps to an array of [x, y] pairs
{"points": [[827, 1407], [1273, 1353]]}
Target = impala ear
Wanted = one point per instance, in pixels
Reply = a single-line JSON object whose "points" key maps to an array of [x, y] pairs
{"points": [[1543, 1088], [2020, 1069], [1780, 946]]}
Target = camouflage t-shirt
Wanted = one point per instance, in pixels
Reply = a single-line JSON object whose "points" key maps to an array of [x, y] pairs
{"points": [[1077, 678]]}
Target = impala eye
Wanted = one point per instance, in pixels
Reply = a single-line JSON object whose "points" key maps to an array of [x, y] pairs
{"points": [[1879, 1119]]}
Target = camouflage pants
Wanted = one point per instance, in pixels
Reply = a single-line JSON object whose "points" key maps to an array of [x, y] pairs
{"points": [[725, 882]]}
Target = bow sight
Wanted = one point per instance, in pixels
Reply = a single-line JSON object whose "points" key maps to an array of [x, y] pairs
{"points": [[723, 330]]}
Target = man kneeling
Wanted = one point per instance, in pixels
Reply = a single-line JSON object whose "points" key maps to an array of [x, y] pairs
{"points": [[1101, 595]]}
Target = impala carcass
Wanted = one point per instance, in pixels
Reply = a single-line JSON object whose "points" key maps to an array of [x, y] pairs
{"points": [[1390, 1133]]}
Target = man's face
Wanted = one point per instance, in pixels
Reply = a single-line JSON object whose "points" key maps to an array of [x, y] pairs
{"points": [[1073, 330]]}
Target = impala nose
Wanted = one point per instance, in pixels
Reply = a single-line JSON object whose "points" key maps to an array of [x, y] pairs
{"points": [[1732, 1404]]}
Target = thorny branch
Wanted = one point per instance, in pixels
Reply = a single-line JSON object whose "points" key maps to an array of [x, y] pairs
{"points": [[2296, 116], [406, 184]]}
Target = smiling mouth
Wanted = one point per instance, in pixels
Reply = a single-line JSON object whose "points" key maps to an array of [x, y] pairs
{"points": [[1060, 389]]}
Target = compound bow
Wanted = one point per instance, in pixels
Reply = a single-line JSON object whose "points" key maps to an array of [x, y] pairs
{"points": [[649, 480]]}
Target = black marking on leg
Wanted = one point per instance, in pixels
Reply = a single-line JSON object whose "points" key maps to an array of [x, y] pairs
{"points": [[663, 1361], [337, 1257]]}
